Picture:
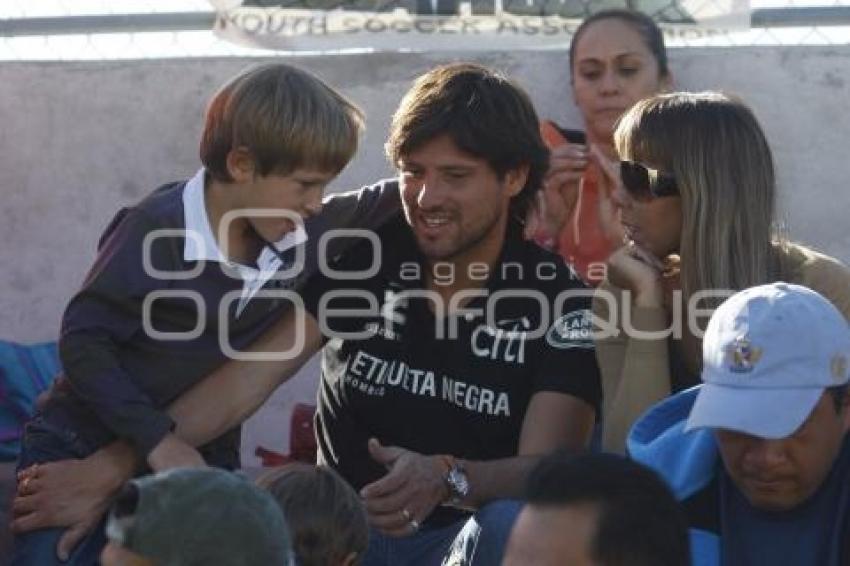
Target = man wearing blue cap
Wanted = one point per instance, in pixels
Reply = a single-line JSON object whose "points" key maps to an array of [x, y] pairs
{"points": [[774, 407]]}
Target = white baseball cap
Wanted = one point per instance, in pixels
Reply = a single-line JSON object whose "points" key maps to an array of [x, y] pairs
{"points": [[769, 352]]}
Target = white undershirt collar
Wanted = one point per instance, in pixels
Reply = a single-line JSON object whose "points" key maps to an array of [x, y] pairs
{"points": [[200, 243]]}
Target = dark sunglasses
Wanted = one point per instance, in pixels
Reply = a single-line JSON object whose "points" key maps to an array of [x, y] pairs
{"points": [[643, 183]]}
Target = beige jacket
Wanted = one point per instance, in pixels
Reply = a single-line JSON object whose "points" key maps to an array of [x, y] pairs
{"points": [[636, 371]]}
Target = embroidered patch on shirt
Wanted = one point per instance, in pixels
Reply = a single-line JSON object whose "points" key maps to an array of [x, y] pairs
{"points": [[573, 330]]}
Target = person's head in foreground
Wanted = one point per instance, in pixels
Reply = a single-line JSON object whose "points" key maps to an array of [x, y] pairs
{"points": [[699, 182], [597, 510], [326, 517], [775, 372], [466, 142], [195, 516]]}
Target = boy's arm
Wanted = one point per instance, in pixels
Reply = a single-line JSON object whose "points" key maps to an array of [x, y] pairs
{"points": [[234, 391], [108, 312], [216, 404]]}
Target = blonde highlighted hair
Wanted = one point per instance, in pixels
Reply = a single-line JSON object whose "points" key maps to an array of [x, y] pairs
{"points": [[718, 153], [285, 118]]}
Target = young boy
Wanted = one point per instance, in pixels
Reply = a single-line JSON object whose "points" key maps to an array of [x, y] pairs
{"points": [[176, 280], [326, 517]]}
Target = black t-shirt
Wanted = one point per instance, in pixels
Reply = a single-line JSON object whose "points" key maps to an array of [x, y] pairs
{"points": [[454, 384]]}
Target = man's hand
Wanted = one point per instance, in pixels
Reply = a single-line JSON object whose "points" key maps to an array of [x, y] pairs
{"points": [[171, 452], [70, 493], [412, 488]]}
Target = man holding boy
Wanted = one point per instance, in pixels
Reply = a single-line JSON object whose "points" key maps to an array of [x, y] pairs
{"points": [[146, 325], [438, 393]]}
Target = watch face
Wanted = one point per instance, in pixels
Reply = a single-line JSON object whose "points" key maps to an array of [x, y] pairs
{"points": [[458, 482]]}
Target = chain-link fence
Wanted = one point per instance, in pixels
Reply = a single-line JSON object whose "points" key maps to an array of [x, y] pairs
{"points": [[131, 29]]}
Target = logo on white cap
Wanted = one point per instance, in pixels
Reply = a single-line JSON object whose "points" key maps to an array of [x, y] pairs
{"points": [[742, 356]]}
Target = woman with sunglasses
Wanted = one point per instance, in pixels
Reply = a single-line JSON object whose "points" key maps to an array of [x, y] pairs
{"points": [[696, 197], [617, 57]]}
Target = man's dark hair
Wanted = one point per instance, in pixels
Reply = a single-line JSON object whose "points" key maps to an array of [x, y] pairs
{"points": [[486, 115], [640, 523]]}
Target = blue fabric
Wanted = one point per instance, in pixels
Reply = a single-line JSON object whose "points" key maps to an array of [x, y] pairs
{"points": [[687, 461], [705, 548], [425, 548], [811, 533], [690, 461], [477, 541], [25, 372]]}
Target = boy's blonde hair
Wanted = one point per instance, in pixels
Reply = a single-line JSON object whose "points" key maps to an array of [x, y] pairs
{"points": [[285, 118]]}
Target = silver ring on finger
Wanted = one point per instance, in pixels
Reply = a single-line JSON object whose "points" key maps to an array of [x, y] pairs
{"points": [[406, 514], [414, 525]]}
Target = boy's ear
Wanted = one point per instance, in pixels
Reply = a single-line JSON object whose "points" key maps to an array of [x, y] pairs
{"points": [[241, 165]]}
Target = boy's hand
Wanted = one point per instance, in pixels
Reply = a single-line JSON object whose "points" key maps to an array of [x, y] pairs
{"points": [[172, 452]]}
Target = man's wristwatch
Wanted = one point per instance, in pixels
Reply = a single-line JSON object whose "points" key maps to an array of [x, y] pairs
{"points": [[456, 481]]}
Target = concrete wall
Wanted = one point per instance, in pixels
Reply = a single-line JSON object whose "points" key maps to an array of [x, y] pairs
{"points": [[77, 140]]}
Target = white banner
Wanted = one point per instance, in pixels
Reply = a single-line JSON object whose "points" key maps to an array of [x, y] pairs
{"points": [[429, 25]]}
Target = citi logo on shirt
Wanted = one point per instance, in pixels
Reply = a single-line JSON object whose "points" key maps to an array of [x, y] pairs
{"points": [[505, 342]]}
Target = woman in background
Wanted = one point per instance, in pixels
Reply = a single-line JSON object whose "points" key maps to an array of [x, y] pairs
{"points": [[696, 199], [617, 57]]}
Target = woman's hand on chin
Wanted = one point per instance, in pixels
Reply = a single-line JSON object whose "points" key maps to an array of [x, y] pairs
{"points": [[635, 269]]}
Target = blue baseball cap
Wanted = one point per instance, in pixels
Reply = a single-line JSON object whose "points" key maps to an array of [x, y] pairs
{"points": [[769, 352]]}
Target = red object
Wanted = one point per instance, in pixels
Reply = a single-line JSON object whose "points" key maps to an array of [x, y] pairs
{"points": [[302, 440], [551, 134], [582, 241]]}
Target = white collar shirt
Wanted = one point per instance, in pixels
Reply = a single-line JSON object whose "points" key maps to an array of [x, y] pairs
{"points": [[201, 245]]}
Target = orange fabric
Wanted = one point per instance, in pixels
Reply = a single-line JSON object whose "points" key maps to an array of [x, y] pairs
{"points": [[583, 242]]}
